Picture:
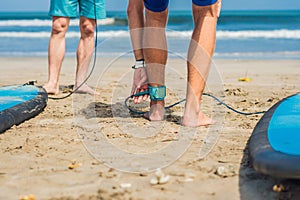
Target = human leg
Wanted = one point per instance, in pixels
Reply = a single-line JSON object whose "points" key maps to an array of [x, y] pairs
{"points": [[84, 54], [56, 52], [199, 60], [155, 52], [61, 11], [135, 13], [89, 10]]}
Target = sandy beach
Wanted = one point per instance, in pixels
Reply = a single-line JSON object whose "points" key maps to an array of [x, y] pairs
{"points": [[53, 157]]}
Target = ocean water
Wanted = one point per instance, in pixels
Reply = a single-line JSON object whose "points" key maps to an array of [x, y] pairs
{"points": [[240, 34]]}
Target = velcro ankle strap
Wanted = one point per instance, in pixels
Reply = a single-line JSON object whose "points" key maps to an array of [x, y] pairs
{"points": [[157, 93]]}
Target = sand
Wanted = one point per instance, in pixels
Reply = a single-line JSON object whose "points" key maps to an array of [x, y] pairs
{"points": [[72, 149]]}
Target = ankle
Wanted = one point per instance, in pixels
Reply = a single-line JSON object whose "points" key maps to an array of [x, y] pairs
{"points": [[157, 111], [157, 107], [52, 84], [157, 103], [192, 109]]}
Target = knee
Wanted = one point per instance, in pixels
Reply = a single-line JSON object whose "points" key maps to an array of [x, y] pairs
{"points": [[157, 19], [130, 9], [59, 26], [87, 29], [134, 8]]}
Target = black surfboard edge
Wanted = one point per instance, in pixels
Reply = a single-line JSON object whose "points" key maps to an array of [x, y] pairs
{"points": [[24, 111], [264, 158]]}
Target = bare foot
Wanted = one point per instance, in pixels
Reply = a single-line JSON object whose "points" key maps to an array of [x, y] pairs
{"points": [[156, 113], [51, 89], [200, 120], [85, 89]]}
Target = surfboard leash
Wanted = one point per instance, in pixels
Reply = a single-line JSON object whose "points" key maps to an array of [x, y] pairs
{"points": [[175, 104]]}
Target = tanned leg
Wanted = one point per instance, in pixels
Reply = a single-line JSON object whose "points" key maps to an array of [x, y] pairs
{"points": [[199, 60], [136, 21], [155, 53], [84, 54], [56, 52]]}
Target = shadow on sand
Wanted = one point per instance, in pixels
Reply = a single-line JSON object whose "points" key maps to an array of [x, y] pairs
{"points": [[103, 110], [253, 185]]}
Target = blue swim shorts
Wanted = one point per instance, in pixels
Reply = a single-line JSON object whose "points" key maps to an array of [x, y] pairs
{"points": [[69, 8], [161, 5], [156, 5]]}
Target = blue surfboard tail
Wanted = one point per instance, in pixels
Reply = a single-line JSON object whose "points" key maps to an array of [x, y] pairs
{"points": [[19, 103], [265, 157]]}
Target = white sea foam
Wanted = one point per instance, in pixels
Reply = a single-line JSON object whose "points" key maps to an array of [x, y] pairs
{"points": [[38, 22], [282, 34], [70, 34], [246, 34], [14, 34], [274, 34]]}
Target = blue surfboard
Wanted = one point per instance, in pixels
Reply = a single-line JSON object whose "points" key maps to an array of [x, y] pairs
{"points": [[274, 145], [19, 103]]}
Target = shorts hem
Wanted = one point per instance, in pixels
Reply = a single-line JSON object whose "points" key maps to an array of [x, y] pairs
{"points": [[204, 3], [156, 9]]}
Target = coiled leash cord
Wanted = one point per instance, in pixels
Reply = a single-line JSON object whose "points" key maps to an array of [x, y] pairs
{"points": [[175, 104]]}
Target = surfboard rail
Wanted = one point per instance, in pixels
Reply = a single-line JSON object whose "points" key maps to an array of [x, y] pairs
{"points": [[19, 112], [264, 158]]}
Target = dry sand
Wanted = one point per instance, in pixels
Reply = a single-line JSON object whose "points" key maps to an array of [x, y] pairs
{"points": [[37, 155]]}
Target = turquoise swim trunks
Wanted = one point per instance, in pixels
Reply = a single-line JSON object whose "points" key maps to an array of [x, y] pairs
{"points": [[69, 8]]}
